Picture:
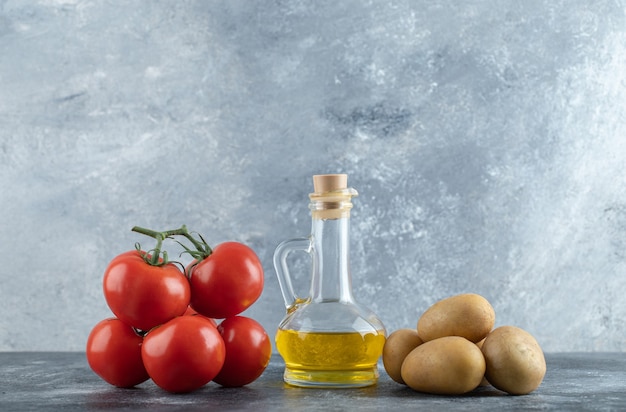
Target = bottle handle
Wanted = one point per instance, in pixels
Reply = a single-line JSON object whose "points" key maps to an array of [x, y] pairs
{"points": [[282, 269]]}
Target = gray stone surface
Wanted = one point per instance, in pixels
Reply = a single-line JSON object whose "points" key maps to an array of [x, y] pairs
{"points": [[63, 381], [485, 138]]}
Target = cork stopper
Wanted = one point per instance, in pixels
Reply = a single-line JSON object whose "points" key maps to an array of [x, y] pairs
{"points": [[330, 182], [332, 196]]}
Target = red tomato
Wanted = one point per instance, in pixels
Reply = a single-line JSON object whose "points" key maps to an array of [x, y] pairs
{"points": [[191, 312], [143, 295], [184, 354], [114, 353], [226, 282], [248, 351]]}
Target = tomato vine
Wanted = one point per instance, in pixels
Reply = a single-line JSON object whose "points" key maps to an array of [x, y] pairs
{"points": [[158, 257]]}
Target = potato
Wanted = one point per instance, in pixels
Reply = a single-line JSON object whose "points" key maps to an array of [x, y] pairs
{"points": [[397, 346], [467, 315], [514, 360], [484, 382], [451, 365]]}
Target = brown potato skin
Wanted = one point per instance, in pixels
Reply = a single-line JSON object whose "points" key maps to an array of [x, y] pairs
{"points": [[514, 360], [451, 365], [397, 346], [484, 382], [467, 315]]}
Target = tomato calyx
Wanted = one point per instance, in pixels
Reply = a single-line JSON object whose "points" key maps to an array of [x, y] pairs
{"points": [[203, 250], [154, 256]]}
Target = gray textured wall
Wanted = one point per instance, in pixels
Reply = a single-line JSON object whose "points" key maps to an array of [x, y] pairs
{"points": [[485, 139]]}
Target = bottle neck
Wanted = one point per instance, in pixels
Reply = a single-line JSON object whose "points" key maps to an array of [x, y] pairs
{"points": [[331, 280]]}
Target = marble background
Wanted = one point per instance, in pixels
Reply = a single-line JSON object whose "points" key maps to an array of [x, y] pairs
{"points": [[486, 140]]}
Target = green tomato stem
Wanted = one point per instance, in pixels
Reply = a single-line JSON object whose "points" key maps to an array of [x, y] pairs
{"points": [[147, 232], [153, 258], [202, 251]]}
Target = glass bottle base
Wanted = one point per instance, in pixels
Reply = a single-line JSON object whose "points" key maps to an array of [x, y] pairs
{"points": [[331, 378]]}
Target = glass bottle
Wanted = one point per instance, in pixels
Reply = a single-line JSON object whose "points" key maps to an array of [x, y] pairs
{"points": [[327, 339]]}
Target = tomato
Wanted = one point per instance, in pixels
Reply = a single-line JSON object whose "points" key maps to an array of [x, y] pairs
{"points": [[226, 282], [191, 312], [183, 354], [143, 295], [248, 351], [114, 353]]}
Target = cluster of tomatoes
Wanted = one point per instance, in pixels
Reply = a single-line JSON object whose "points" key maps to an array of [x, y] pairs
{"points": [[164, 326]]}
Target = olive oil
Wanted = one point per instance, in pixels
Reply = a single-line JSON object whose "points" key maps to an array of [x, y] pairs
{"points": [[327, 339], [330, 358]]}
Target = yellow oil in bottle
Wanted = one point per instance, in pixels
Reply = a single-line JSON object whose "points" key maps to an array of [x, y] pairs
{"points": [[316, 354], [330, 359]]}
